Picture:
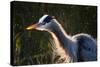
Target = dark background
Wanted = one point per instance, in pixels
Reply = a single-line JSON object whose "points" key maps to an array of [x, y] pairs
{"points": [[35, 47]]}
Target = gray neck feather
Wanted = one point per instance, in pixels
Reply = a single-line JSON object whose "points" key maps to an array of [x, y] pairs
{"points": [[61, 35], [65, 40]]}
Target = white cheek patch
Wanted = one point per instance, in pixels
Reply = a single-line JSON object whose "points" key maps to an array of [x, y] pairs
{"points": [[43, 27], [42, 18]]}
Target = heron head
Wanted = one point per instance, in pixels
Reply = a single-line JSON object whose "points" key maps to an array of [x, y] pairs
{"points": [[45, 23]]}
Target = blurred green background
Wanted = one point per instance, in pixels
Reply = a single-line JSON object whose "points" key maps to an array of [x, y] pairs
{"points": [[36, 47]]}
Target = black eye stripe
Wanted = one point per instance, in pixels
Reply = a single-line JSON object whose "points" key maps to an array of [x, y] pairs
{"points": [[47, 19]]}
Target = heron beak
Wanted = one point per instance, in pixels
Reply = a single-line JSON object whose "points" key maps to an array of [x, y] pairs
{"points": [[31, 27]]}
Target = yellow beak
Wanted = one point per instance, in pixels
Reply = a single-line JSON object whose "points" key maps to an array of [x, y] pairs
{"points": [[34, 26]]}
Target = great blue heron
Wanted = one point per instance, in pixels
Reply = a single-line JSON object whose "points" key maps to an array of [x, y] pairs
{"points": [[80, 47]]}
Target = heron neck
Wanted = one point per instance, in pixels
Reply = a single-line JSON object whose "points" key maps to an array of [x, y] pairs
{"points": [[64, 40], [62, 36]]}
